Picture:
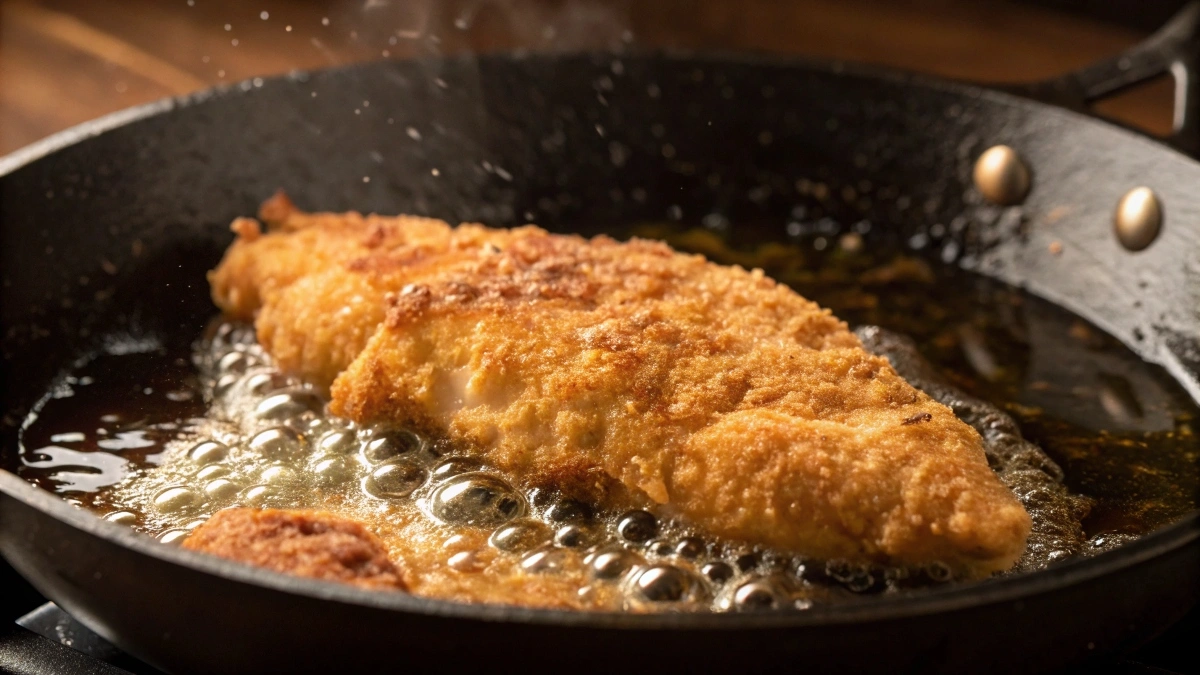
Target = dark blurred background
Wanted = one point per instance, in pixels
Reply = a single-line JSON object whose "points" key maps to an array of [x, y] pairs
{"points": [[66, 61]]}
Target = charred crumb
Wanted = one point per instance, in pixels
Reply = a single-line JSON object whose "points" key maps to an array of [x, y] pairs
{"points": [[917, 419]]}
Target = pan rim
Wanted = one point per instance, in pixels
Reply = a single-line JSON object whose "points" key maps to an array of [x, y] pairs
{"points": [[873, 609], [39, 149]]}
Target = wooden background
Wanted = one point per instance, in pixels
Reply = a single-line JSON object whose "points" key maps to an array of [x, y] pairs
{"points": [[66, 61]]}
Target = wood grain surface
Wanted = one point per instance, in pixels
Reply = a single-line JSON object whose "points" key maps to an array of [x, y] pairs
{"points": [[63, 62]]}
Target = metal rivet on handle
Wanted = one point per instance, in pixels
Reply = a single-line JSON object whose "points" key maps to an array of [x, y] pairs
{"points": [[1138, 218], [1001, 176]]}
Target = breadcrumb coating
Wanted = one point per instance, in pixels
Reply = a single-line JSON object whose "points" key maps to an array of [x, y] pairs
{"points": [[628, 374]]}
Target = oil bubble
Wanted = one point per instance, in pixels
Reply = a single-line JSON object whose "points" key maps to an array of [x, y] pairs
{"points": [[212, 471], [576, 536], [288, 405], [717, 572], [546, 559], [386, 444], [208, 452], [337, 442], [277, 443], [667, 583], [689, 547], [260, 496], [569, 511], [758, 594], [611, 562], [520, 535], [455, 466], [279, 474], [122, 517], [174, 537], [330, 471], [476, 498], [637, 526], [221, 489], [174, 499], [396, 479]]}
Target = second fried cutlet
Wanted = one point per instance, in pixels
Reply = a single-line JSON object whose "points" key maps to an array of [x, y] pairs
{"points": [[626, 373], [303, 543]]}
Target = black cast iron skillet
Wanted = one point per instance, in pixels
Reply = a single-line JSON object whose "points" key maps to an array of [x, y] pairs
{"points": [[111, 226]]}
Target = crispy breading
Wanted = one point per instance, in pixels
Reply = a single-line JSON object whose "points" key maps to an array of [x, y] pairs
{"points": [[304, 543], [627, 373]]}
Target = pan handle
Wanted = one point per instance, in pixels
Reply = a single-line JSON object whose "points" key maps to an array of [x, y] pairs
{"points": [[1173, 49]]}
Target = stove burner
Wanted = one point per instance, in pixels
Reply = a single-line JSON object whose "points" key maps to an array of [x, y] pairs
{"points": [[48, 640]]}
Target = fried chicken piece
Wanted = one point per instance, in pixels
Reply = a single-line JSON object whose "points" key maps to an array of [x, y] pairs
{"points": [[628, 374], [304, 543]]}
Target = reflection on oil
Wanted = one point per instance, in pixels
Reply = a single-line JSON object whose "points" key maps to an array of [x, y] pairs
{"points": [[82, 444], [1075, 374], [1118, 399], [76, 471], [975, 349]]}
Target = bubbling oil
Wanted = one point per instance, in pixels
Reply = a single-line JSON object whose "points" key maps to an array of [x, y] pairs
{"points": [[266, 441], [224, 427]]}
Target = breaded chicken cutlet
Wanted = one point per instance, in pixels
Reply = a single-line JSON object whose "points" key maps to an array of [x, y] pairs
{"points": [[627, 374]]}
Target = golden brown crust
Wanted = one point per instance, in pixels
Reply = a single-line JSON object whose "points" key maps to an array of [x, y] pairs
{"points": [[629, 372], [304, 543]]}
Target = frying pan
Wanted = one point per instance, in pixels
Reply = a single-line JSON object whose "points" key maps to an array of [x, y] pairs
{"points": [[109, 228]]}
